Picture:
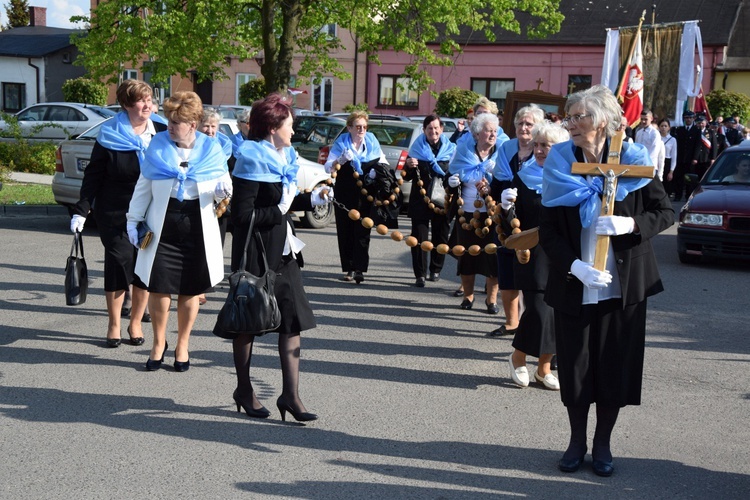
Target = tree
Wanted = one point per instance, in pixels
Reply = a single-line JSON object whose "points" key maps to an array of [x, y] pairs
{"points": [[18, 14], [455, 102], [177, 36], [85, 90], [252, 91], [727, 103]]}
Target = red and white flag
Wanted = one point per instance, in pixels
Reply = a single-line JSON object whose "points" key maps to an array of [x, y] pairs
{"points": [[632, 84]]}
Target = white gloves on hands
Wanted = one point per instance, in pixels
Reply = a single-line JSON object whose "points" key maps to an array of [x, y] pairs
{"points": [[287, 197], [133, 233], [76, 223], [590, 277], [321, 195], [613, 225], [508, 197], [222, 190], [372, 173], [346, 156], [454, 180]]}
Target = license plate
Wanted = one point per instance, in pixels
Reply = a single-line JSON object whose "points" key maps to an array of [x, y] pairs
{"points": [[81, 164]]}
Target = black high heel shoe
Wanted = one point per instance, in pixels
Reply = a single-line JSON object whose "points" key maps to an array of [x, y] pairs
{"points": [[114, 342], [181, 366], [571, 464], [135, 340], [153, 365], [261, 412], [298, 416]]}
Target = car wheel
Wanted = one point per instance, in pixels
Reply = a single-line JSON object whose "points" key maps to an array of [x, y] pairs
{"points": [[686, 258], [319, 217]]}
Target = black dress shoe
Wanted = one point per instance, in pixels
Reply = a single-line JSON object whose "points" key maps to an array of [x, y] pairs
{"points": [[299, 416], [146, 318], [467, 304], [152, 364], [114, 342], [181, 366], [261, 412], [492, 308], [358, 277], [419, 283], [135, 340], [125, 312], [498, 332], [570, 464], [434, 277], [601, 468], [553, 363], [459, 292]]}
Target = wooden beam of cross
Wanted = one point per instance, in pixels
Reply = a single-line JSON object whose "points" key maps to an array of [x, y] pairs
{"points": [[611, 171], [539, 84]]}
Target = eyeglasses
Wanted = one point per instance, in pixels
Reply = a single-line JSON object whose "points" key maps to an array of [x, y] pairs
{"points": [[574, 119], [360, 127]]}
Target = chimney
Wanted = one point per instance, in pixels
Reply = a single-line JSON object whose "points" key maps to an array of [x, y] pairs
{"points": [[37, 16]]}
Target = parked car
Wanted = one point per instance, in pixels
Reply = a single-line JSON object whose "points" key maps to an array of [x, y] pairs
{"points": [[55, 121], [73, 155], [321, 134], [449, 124], [372, 116], [302, 126], [715, 221]]}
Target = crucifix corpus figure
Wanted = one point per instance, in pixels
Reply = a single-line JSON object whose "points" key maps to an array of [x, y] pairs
{"points": [[611, 171]]}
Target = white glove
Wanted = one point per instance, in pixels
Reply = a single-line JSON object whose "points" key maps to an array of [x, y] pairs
{"points": [[372, 173], [77, 223], [133, 233], [613, 225], [287, 196], [508, 197], [319, 197], [222, 190], [346, 156], [590, 277], [454, 180]]}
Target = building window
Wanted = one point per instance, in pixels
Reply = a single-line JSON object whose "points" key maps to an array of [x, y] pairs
{"points": [[14, 97], [493, 89], [322, 95], [576, 83], [393, 91], [130, 74], [329, 30], [240, 80]]}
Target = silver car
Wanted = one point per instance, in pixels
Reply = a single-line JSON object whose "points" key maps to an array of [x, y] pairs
{"points": [[73, 155], [55, 121]]}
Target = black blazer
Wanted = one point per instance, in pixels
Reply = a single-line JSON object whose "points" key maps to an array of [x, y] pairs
{"points": [[108, 183], [702, 153], [687, 140], [263, 199], [560, 237]]}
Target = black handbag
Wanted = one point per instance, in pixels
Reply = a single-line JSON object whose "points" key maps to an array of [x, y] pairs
{"points": [[251, 306], [76, 274]]}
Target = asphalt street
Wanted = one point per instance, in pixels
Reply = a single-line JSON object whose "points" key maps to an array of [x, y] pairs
{"points": [[415, 401]]}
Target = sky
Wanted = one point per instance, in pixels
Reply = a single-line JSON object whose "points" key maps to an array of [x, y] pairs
{"points": [[58, 11]]}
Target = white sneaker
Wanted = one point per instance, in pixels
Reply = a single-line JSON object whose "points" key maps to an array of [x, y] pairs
{"points": [[519, 375], [549, 381]]}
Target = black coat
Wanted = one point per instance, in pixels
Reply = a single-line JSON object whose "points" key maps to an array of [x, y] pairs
{"points": [[704, 154], [263, 199], [418, 209], [687, 141], [560, 237]]}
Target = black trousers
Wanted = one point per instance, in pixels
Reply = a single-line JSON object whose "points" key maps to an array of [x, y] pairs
{"points": [[420, 229], [600, 354], [678, 180], [354, 243]]}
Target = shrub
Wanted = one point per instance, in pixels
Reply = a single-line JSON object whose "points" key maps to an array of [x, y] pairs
{"points": [[85, 90], [454, 102], [31, 157], [350, 108], [723, 103], [252, 91]]}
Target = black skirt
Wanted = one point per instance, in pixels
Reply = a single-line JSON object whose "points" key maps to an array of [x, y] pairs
{"points": [[536, 330], [296, 313], [180, 265], [119, 256], [484, 263]]}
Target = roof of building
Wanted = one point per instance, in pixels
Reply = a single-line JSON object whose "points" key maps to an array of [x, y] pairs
{"points": [[586, 21], [738, 52], [34, 41]]}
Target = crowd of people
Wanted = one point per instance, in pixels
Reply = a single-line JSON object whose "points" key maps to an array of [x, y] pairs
{"points": [[467, 192]]}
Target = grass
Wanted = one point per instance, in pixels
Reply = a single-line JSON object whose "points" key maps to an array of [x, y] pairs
{"points": [[26, 194]]}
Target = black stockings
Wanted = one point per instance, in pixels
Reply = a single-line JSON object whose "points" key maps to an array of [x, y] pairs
{"points": [[242, 349], [606, 417], [578, 417]]}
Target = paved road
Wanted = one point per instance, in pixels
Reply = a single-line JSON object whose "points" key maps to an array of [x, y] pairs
{"points": [[415, 401]]}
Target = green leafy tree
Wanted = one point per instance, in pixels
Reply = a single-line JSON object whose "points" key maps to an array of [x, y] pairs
{"points": [[85, 90], [455, 102], [727, 103], [177, 36], [252, 91], [362, 106], [18, 14]]}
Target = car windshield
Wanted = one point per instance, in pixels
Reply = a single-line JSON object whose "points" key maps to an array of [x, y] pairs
{"points": [[103, 112], [391, 135], [92, 133], [732, 167]]}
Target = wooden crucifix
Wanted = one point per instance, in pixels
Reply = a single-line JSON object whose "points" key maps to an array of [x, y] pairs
{"points": [[611, 171], [539, 83]]}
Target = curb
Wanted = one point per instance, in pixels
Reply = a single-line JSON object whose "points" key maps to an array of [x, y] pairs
{"points": [[33, 211]]}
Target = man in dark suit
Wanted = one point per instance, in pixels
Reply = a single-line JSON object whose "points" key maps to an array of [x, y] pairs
{"points": [[688, 137], [734, 136], [705, 151]]}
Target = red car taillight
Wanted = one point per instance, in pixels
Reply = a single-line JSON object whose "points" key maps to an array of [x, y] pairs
{"points": [[323, 154], [58, 160], [402, 160]]}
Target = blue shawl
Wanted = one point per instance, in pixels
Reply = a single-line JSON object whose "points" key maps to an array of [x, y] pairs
{"points": [[421, 150], [561, 188], [226, 144], [117, 134], [372, 150], [237, 140], [206, 161], [531, 174], [465, 163], [259, 161]]}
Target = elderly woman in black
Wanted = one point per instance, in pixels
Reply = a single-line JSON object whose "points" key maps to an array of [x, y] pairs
{"points": [[108, 182], [600, 315], [265, 186], [428, 161]]}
